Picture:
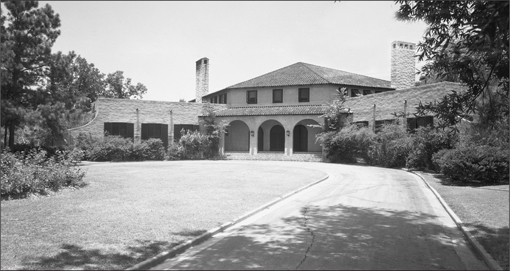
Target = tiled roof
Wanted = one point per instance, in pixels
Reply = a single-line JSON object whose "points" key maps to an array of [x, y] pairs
{"points": [[307, 74], [393, 101], [273, 110]]}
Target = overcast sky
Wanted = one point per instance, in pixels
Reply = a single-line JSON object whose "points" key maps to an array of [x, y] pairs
{"points": [[157, 43]]}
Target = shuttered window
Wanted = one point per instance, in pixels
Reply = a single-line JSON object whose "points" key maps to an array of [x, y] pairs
{"points": [[122, 129], [179, 127], [155, 130], [304, 95]]}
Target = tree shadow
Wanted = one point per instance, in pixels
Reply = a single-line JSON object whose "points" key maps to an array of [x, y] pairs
{"points": [[449, 182], [334, 237], [77, 257], [494, 240]]}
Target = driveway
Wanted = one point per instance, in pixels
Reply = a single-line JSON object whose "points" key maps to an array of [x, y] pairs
{"points": [[359, 218]]}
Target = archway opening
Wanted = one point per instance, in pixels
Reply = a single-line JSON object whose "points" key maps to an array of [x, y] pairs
{"points": [[300, 138], [260, 139], [277, 138], [237, 137]]}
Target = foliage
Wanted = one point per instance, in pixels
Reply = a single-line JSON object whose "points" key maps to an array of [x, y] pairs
{"points": [[425, 142], [195, 145], [390, 147], [213, 129], [24, 173], [467, 41], [335, 114], [346, 145], [119, 87], [174, 152], [483, 163], [116, 148], [27, 35]]}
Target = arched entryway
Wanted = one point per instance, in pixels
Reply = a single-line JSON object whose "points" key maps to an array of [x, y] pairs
{"points": [[237, 137], [260, 139], [300, 138], [277, 138], [303, 136]]}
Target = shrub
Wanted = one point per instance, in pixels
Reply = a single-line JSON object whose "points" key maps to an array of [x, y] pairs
{"points": [[487, 164], [346, 145], [32, 172], [427, 141], [154, 149], [174, 152], [390, 147], [195, 145]]}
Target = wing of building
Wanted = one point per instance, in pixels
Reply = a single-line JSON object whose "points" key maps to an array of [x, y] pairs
{"points": [[279, 111]]}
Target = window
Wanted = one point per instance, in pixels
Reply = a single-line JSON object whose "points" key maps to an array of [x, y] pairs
{"points": [[215, 99], [225, 98], [277, 95], [367, 92], [379, 124], [220, 99], [355, 92], [120, 128], [415, 123], [155, 130], [251, 97], [179, 127], [304, 95], [211, 100]]}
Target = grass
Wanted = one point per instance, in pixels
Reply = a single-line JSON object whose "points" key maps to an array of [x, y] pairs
{"points": [[132, 211], [484, 210]]}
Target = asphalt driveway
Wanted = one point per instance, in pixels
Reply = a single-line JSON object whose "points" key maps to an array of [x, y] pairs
{"points": [[359, 218]]}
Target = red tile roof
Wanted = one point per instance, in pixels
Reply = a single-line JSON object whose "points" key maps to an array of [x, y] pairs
{"points": [[393, 101], [307, 74], [273, 110]]}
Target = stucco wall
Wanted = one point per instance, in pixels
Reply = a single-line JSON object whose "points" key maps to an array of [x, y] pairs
{"points": [[238, 138], [125, 110]]}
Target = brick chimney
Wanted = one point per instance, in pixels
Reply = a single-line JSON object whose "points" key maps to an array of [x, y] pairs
{"points": [[402, 64], [202, 79]]}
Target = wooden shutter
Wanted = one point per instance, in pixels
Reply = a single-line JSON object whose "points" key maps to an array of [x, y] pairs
{"points": [[130, 130], [145, 131], [164, 134], [108, 127]]}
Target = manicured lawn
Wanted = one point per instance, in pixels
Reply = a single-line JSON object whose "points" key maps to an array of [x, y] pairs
{"points": [[132, 211], [483, 209]]}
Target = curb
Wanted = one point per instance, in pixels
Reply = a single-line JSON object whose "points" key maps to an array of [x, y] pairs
{"points": [[151, 262], [487, 258]]}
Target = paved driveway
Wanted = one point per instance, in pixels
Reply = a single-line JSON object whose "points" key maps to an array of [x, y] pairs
{"points": [[359, 218]]}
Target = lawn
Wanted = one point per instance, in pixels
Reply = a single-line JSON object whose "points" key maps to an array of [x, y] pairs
{"points": [[484, 210], [131, 211]]}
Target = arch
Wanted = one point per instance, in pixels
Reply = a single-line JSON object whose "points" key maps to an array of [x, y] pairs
{"points": [[277, 138], [238, 136], [278, 142], [300, 138], [260, 139], [304, 136]]}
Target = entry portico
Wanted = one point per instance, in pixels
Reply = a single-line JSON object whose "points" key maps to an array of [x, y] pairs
{"points": [[285, 129]]}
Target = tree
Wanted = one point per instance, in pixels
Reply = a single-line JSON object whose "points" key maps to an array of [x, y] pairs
{"points": [[118, 87], [468, 41], [28, 33]]}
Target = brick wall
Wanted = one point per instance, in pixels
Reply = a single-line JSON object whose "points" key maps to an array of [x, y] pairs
{"points": [[202, 87], [138, 112], [402, 64]]}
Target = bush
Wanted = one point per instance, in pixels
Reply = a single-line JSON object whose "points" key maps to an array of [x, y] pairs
{"points": [[195, 145], [153, 149], [346, 145], [174, 152], [390, 147], [33, 172], [487, 164], [427, 141]]}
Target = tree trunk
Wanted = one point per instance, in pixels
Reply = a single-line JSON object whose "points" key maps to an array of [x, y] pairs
{"points": [[11, 134]]}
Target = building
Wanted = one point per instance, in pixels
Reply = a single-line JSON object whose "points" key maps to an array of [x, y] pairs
{"points": [[279, 111]]}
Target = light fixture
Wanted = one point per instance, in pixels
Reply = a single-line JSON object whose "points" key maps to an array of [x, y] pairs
{"points": [[252, 133], [288, 133]]}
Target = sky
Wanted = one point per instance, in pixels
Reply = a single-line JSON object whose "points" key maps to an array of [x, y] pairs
{"points": [[157, 43]]}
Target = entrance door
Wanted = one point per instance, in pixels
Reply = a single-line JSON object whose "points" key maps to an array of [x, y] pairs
{"points": [[300, 138], [260, 139], [277, 138]]}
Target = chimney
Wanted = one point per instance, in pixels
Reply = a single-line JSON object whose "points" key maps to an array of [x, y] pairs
{"points": [[202, 79], [402, 64]]}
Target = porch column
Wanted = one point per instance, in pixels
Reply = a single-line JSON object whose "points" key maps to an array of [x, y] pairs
{"points": [[289, 141], [222, 144], [253, 141], [138, 128]]}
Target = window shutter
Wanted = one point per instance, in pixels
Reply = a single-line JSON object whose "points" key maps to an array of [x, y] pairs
{"points": [[130, 130], [164, 134], [108, 127], [145, 131]]}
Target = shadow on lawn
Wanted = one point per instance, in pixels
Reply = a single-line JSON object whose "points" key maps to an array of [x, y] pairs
{"points": [[447, 181], [74, 257], [494, 240], [333, 237]]}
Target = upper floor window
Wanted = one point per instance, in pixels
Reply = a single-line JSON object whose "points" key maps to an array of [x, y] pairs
{"points": [[225, 98], [304, 95], [220, 99], [277, 95], [215, 99], [251, 97]]}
